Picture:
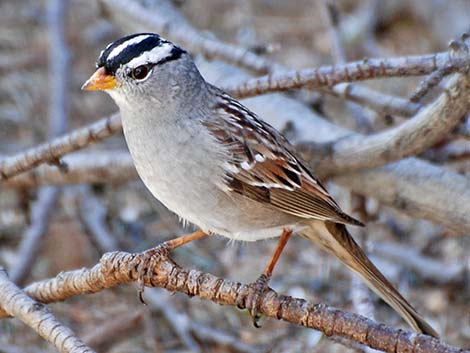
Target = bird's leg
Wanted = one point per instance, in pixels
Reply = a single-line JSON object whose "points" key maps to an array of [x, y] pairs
{"points": [[149, 258], [257, 289]]}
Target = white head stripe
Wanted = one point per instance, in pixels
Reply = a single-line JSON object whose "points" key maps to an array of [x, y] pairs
{"points": [[152, 56], [116, 51]]}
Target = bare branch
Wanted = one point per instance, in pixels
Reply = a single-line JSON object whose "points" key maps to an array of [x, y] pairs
{"points": [[418, 189], [51, 152], [114, 167], [93, 214], [353, 71], [381, 103], [37, 316], [119, 267], [59, 60], [429, 83], [179, 322], [30, 244], [408, 139]]}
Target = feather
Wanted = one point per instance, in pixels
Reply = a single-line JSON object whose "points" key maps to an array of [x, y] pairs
{"points": [[263, 167]]}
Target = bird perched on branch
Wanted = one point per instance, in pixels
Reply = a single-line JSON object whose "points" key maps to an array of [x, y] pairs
{"points": [[219, 166]]}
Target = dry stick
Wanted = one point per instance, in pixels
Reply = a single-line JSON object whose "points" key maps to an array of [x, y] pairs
{"points": [[418, 189], [381, 103], [93, 213], [429, 83], [410, 138], [120, 267], [52, 151], [30, 244], [96, 167], [179, 321], [58, 106], [350, 72], [436, 77], [37, 316]]}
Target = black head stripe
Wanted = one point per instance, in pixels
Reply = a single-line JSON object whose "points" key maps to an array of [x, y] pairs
{"points": [[132, 51], [176, 53]]}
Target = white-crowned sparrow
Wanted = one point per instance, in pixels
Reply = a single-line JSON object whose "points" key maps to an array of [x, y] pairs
{"points": [[217, 165]]}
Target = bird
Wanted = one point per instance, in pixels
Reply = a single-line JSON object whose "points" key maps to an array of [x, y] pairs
{"points": [[220, 167]]}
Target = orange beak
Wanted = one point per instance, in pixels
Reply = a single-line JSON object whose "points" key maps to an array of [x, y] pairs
{"points": [[99, 81]]}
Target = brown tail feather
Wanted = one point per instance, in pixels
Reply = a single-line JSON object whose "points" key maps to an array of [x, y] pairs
{"points": [[335, 238]]}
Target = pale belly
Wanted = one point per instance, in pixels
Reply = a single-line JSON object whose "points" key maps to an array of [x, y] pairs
{"points": [[187, 183]]}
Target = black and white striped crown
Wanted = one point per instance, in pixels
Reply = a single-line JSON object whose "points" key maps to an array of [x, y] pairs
{"points": [[138, 49]]}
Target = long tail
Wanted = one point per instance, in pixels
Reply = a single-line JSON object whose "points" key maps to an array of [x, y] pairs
{"points": [[335, 238]]}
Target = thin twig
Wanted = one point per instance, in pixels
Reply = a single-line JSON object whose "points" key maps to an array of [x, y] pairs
{"points": [[436, 77], [52, 151], [97, 167], [350, 72], [179, 322], [93, 214], [30, 244], [381, 103]]}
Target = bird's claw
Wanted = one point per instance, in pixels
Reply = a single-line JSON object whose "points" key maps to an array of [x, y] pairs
{"points": [[145, 263], [255, 294]]}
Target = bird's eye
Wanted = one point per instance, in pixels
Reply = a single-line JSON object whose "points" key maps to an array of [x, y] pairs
{"points": [[140, 72]]}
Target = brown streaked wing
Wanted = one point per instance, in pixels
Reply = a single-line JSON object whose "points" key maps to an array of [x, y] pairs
{"points": [[264, 168]]}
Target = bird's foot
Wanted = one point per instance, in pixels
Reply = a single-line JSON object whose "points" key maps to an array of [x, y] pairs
{"points": [[146, 262], [255, 294]]}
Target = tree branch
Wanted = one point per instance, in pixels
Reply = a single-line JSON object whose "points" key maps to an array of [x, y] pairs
{"points": [[31, 241], [16, 303], [120, 267], [51, 152], [411, 138]]}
